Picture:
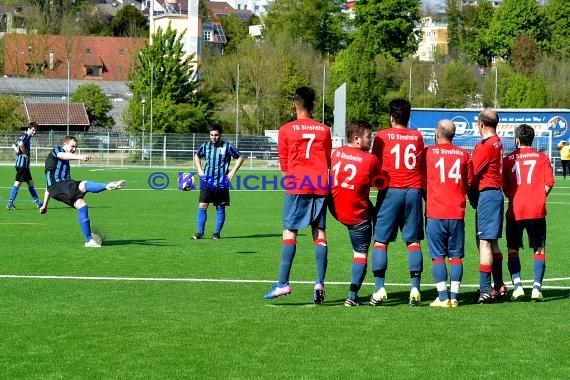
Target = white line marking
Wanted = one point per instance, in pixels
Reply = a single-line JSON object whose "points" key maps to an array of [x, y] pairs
{"points": [[221, 280]]}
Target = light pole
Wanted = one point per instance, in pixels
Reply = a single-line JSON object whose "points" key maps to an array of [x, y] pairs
{"points": [[143, 101]]}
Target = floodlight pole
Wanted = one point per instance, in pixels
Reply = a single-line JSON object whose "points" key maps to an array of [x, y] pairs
{"points": [[143, 101]]}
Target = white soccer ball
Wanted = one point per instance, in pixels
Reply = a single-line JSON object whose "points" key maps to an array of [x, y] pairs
{"points": [[186, 186]]}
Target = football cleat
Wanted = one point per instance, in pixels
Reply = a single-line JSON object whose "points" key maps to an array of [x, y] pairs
{"points": [[278, 290], [454, 303], [198, 236], [11, 207], [92, 244], [518, 293], [501, 291], [352, 302], [536, 295], [415, 297], [486, 297], [216, 236], [438, 303], [115, 185], [378, 297], [319, 294]]}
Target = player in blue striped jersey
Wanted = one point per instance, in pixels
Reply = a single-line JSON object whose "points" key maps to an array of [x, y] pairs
{"points": [[23, 174], [215, 178], [61, 187]]}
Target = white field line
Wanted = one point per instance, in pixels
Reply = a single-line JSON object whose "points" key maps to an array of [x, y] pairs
{"points": [[215, 280]]}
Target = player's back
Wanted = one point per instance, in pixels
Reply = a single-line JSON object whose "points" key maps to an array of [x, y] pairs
{"points": [[487, 163], [304, 155], [525, 173], [399, 151]]}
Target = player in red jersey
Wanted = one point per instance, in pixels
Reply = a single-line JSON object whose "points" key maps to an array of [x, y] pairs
{"points": [[446, 172], [400, 205], [305, 147], [486, 196], [353, 171], [527, 181]]}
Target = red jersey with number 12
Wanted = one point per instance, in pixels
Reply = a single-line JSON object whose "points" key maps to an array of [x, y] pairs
{"points": [[526, 172], [352, 171], [400, 151], [305, 147], [447, 179]]}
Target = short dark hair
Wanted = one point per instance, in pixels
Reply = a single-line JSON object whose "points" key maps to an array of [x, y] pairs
{"points": [[400, 110], [356, 128], [215, 127], [525, 134], [305, 97], [489, 118], [33, 124]]}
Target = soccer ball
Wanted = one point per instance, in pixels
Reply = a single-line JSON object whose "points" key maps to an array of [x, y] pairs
{"points": [[186, 186]]}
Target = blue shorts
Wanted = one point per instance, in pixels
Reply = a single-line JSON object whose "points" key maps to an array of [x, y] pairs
{"points": [[489, 215], [446, 237], [303, 210], [399, 208], [535, 229], [360, 235]]}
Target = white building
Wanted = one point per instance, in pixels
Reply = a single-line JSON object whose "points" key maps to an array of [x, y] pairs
{"points": [[258, 7]]}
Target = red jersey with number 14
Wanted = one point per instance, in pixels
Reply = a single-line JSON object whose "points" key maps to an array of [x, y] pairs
{"points": [[447, 179], [526, 172], [400, 151], [352, 171], [305, 148]]}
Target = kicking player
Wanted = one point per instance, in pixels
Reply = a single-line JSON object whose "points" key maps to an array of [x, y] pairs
{"points": [[353, 171], [304, 147], [527, 181], [399, 150], [446, 171], [61, 187], [23, 173], [486, 195]]}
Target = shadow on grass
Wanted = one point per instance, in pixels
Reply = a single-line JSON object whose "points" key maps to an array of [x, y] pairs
{"points": [[253, 236], [152, 242]]}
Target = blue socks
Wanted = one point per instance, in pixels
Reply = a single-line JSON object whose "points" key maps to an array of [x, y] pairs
{"points": [[220, 218], [288, 250], [84, 222], [95, 187], [498, 269], [379, 264], [321, 260], [201, 217], [13, 194], [415, 265], [357, 273], [539, 267]]}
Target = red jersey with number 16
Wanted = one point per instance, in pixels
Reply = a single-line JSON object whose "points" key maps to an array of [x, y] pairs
{"points": [[353, 171], [305, 148], [526, 172], [447, 179], [487, 163], [399, 151]]}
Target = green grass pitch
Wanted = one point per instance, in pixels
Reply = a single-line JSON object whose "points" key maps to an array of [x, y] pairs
{"points": [[151, 303]]}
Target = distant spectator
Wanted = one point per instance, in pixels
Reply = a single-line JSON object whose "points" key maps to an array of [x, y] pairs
{"points": [[564, 148]]}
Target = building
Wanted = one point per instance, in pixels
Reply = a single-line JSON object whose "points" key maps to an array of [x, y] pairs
{"points": [[434, 38], [258, 7], [494, 3], [76, 57]]}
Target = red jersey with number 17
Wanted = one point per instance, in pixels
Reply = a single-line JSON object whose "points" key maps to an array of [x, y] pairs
{"points": [[487, 163], [447, 179], [400, 152], [525, 173], [353, 171], [305, 148]]}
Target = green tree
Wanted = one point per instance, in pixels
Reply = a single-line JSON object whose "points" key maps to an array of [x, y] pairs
{"points": [[319, 23], [474, 23], [11, 113], [129, 22], [525, 54], [164, 71], [557, 15], [96, 103], [235, 30], [512, 19]]}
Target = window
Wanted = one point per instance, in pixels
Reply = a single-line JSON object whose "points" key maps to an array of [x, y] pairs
{"points": [[119, 69], [121, 51], [29, 49], [88, 51], [93, 71], [207, 35]]}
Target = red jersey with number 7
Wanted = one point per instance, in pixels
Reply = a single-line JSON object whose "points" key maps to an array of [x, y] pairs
{"points": [[305, 147], [353, 172], [400, 152], [446, 170], [526, 172]]}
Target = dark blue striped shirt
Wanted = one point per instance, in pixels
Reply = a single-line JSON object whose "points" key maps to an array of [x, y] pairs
{"points": [[217, 161], [21, 160], [56, 169]]}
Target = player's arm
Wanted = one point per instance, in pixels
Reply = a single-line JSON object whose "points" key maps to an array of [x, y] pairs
{"points": [[198, 163], [283, 151], [44, 207], [67, 156], [549, 176], [23, 149], [232, 172]]}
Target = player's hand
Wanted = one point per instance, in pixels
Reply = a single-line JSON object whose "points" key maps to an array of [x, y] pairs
{"points": [[86, 157], [43, 209]]}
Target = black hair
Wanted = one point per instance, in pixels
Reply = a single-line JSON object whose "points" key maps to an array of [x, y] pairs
{"points": [[525, 134], [400, 110], [356, 128], [305, 96]]}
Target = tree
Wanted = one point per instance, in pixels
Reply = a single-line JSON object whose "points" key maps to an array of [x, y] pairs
{"points": [[320, 23], [164, 71], [525, 54], [11, 113], [556, 15], [96, 103], [235, 31], [473, 24], [129, 22]]}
